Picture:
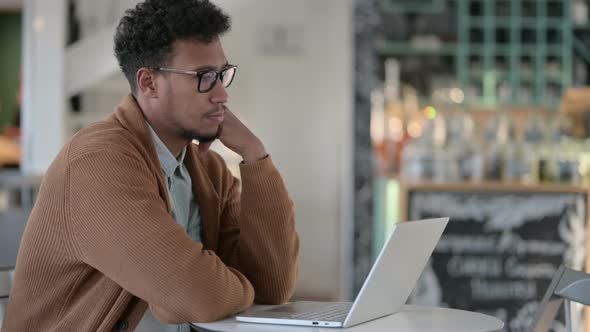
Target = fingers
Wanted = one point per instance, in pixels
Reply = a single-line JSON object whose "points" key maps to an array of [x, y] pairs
{"points": [[229, 115], [232, 124], [237, 137]]}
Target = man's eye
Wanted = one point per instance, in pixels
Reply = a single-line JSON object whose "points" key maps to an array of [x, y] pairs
{"points": [[209, 76]]}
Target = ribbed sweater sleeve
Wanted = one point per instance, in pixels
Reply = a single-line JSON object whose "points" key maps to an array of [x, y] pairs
{"points": [[120, 227], [257, 233]]}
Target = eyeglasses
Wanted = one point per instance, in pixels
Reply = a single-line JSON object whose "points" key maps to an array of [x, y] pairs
{"points": [[206, 79]]}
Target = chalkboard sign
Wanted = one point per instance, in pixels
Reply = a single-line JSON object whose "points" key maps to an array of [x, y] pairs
{"points": [[500, 250]]}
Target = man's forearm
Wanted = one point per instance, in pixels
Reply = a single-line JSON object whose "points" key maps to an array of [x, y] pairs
{"points": [[269, 245]]}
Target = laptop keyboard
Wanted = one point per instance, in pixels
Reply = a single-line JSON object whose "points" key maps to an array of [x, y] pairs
{"points": [[332, 313]]}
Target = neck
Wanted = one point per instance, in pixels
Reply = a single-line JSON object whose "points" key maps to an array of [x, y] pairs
{"points": [[172, 142], [166, 135]]}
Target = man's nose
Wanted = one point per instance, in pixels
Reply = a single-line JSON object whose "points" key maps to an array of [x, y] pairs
{"points": [[219, 94]]}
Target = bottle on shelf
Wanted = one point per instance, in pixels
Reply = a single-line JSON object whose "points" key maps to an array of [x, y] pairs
{"points": [[498, 135]]}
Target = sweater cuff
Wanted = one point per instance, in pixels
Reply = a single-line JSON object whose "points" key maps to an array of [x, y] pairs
{"points": [[264, 192], [262, 176], [263, 167]]}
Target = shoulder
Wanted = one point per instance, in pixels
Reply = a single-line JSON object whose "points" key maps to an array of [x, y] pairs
{"points": [[104, 137]]}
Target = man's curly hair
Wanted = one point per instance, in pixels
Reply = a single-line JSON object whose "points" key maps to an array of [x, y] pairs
{"points": [[145, 34]]}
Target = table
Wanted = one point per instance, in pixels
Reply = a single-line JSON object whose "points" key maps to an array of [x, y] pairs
{"points": [[410, 318]]}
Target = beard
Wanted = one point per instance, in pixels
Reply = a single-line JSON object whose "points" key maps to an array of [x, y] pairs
{"points": [[190, 134]]}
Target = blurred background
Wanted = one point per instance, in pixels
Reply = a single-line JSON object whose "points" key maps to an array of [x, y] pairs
{"points": [[375, 112]]}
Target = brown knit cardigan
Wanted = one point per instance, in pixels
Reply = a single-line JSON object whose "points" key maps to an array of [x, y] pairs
{"points": [[101, 244]]}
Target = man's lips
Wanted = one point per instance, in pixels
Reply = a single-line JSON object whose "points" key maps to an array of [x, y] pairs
{"points": [[216, 117]]}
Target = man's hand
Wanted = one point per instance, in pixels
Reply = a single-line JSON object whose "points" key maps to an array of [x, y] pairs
{"points": [[238, 138]]}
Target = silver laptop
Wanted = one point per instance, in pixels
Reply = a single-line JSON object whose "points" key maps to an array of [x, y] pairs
{"points": [[387, 287]]}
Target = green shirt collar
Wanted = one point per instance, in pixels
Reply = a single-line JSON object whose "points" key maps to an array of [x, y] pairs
{"points": [[167, 160]]}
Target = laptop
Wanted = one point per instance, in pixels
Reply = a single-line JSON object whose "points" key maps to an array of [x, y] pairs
{"points": [[387, 287]]}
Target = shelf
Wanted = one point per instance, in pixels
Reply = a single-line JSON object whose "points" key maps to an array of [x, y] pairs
{"points": [[477, 105], [409, 6], [494, 186], [405, 48], [508, 50], [449, 49], [523, 77], [520, 22]]}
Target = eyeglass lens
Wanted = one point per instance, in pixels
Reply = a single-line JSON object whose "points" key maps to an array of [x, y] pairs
{"points": [[208, 79]]}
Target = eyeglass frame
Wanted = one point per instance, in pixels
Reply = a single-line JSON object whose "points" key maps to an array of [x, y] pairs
{"points": [[199, 74]]}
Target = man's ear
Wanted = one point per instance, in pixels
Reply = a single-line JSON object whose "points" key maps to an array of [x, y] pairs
{"points": [[147, 83]]}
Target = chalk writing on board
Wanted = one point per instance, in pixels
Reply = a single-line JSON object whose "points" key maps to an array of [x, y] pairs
{"points": [[500, 250], [493, 212], [505, 242], [485, 290]]}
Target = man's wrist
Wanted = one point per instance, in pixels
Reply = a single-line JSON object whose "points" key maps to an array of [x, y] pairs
{"points": [[254, 154]]}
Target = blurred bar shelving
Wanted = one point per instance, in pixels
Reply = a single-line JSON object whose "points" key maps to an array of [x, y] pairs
{"points": [[526, 47]]}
